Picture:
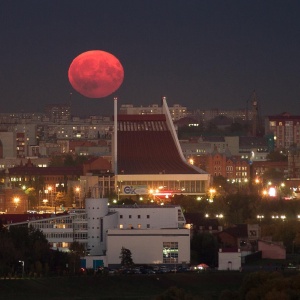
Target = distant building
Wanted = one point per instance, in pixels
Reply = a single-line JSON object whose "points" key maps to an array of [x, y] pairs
{"points": [[294, 162], [240, 236], [47, 176], [286, 130], [9, 148], [232, 167], [58, 112], [272, 250], [260, 167], [177, 111], [207, 144], [206, 115]]}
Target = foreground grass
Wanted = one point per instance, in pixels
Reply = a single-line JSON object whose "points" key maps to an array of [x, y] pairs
{"points": [[207, 285]]}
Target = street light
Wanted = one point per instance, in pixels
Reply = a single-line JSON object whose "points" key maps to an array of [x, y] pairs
{"points": [[212, 191], [16, 201], [260, 217], [23, 263], [50, 196], [77, 190]]}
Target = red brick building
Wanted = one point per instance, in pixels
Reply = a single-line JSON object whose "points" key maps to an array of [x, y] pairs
{"points": [[231, 167]]}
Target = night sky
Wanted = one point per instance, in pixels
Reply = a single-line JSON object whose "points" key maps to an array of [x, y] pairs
{"points": [[200, 54]]}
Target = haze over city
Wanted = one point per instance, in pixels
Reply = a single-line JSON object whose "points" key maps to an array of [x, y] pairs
{"points": [[200, 54]]}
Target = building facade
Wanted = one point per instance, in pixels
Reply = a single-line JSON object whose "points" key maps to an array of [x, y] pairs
{"points": [[286, 130], [105, 229], [177, 111]]}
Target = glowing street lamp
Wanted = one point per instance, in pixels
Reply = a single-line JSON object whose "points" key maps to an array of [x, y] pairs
{"points": [[212, 192], [77, 190], [49, 189], [16, 201], [23, 265], [260, 217], [283, 217]]}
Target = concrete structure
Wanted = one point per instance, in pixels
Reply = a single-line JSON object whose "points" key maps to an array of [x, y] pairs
{"points": [[149, 157], [9, 147], [168, 246], [104, 230], [272, 250], [285, 128], [206, 145], [229, 259], [241, 236], [177, 111], [205, 115]]}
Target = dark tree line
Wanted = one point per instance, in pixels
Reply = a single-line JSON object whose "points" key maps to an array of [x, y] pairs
{"points": [[26, 251]]}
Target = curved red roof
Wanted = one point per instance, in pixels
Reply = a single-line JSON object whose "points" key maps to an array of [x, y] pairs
{"points": [[146, 146]]}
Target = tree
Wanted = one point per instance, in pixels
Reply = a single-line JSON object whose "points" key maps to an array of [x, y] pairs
{"points": [[205, 246], [77, 250], [277, 156], [126, 258], [175, 293]]}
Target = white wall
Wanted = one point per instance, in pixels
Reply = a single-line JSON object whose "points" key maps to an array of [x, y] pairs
{"points": [[146, 246], [159, 217], [230, 260]]}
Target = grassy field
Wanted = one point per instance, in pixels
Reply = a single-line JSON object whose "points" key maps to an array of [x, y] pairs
{"points": [[208, 285]]}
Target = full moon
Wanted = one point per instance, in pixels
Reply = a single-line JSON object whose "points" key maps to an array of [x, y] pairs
{"points": [[96, 74]]}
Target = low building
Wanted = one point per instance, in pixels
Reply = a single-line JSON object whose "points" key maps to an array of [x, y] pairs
{"points": [[104, 230], [271, 250], [240, 236], [230, 259]]}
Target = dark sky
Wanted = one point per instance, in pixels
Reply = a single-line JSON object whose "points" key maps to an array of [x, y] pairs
{"points": [[201, 54]]}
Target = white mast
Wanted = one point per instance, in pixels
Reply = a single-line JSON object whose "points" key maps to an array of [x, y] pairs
{"points": [[116, 141]]}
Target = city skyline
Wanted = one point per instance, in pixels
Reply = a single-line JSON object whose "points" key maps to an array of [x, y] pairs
{"points": [[199, 54]]}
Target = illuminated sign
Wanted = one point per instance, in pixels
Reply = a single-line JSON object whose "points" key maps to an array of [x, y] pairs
{"points": [[135, 189]]}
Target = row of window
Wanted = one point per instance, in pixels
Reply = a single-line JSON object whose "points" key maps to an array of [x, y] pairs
{"points": [[138, 216], [130, 226]]}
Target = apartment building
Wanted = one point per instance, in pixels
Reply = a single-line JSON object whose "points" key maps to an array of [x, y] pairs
{"points": [[286, 130]]}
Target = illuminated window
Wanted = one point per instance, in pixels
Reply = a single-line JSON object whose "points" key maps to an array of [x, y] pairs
{"points": [[170, 252]]}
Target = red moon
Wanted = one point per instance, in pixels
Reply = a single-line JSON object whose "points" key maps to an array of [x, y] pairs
{"points": [[96, 74]]}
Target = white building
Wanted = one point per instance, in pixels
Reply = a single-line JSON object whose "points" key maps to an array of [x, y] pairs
{"points": [[230, 259], [105, 230]]}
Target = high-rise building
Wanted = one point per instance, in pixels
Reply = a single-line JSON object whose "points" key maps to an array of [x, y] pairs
{"points": [[286, 130]]}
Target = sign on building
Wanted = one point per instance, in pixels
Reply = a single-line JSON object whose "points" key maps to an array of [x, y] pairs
{"points": [[135, 189]]}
